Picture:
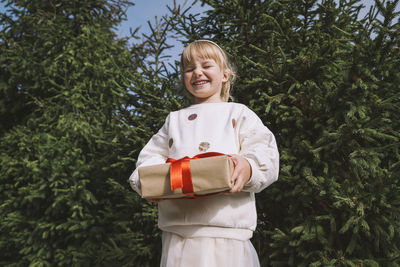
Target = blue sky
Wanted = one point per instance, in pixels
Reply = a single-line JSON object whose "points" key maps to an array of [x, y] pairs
{"points": [[146, 10]]}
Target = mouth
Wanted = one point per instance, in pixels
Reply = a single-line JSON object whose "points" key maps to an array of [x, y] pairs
{"points": [[201, 82]]}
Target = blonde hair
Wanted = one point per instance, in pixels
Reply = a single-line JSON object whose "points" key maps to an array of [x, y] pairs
{"points": [[208, 49]]}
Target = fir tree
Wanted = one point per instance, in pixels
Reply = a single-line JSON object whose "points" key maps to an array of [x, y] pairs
{"points": [[73, 119], [326, 83]]}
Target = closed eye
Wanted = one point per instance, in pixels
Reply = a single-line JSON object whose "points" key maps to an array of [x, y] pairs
{"points": [[188, 70]]}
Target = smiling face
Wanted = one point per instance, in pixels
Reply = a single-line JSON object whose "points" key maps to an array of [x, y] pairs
{"points": [[206, 72], [203, 78]]}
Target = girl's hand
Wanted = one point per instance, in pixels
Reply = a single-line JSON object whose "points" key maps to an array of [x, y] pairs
{"points": [[242, 173]]}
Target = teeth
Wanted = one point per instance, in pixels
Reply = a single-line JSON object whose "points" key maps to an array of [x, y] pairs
{"points": [[198, 83]]}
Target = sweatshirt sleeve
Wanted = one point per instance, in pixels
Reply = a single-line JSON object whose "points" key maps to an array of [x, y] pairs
{"points": [[258, 146], [154, 152]]}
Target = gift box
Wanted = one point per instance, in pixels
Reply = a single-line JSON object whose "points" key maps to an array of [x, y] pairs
{"points": [[200, 176]]}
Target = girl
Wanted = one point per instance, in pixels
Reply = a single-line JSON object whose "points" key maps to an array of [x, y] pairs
{"points": [[213, 231]]}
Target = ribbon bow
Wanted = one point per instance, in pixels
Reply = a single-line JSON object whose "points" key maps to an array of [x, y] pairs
{"points": [[180, 174]]}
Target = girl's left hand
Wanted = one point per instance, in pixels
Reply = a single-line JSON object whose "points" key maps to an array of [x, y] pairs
{"points": [[241, 175]]}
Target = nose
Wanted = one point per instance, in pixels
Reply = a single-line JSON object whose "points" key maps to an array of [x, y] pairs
{"points": [[197, 71]]}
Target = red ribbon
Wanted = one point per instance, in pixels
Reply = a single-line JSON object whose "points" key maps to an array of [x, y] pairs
{"points": [[180, 174]]}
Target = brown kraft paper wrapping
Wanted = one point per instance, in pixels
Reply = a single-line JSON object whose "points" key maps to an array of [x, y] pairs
{"points": [[209, 175]]}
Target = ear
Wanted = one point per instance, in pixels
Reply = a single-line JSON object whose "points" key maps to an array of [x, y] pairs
{"points": [[226, 75]]}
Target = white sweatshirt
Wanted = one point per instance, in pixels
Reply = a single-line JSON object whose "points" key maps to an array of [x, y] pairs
{"points": [[229, 128]]}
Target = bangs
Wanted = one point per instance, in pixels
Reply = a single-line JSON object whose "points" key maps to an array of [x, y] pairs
{"points": [[203, 50]]}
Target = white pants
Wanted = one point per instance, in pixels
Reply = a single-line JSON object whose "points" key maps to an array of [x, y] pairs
{"points": [[178, 251]]}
